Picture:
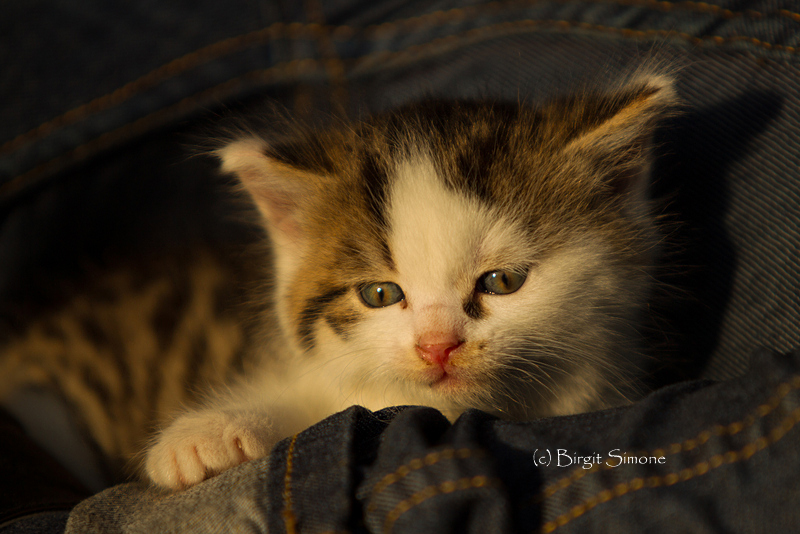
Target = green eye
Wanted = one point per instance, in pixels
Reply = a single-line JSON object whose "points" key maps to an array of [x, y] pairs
{"points": [[381, 294], [501, 282]]}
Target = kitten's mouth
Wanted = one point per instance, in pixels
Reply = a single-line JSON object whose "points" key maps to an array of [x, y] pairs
{"points": [[445, 379]]}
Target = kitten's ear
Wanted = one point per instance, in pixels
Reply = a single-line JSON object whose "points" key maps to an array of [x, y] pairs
{"points": [[618, 132], [279, 190]]}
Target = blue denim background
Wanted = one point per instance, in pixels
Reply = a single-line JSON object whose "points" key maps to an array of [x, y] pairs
{"points": [[99, 101], [83, 79], [730, 465]]}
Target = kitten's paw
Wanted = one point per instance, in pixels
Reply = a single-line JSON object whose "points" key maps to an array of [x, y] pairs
{"points": [[199, 445]]}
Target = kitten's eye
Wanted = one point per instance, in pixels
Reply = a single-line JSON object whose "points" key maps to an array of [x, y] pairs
{"points": [[501, 282], [381, 294]]}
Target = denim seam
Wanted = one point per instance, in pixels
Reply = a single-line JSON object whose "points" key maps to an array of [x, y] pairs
{"points": [[334, 65], [440, 18], [523, 26], [289, 518], [701, 7], [154, 119], [449, 486], [319, 31], [162, 74], [781, 391], [416, 464], [302, 65], [730, 457]]}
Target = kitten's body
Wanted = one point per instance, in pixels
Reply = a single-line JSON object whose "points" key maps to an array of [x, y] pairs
{"points": [[129, 344], [453, 255]]}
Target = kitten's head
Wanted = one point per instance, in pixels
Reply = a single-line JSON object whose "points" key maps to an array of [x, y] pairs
{"points": [[466, 254]]}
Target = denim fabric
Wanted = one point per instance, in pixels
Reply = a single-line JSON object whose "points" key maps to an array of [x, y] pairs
{"points": [[717, 457], [99, 101], [37, 523], [81, 80], [31, 482]]}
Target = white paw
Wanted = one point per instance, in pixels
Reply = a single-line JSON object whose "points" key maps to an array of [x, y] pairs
{"points": [[199, 445]]}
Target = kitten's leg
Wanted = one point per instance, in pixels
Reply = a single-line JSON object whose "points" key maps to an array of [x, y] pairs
{"points": [[203, 443], [240, 425]]}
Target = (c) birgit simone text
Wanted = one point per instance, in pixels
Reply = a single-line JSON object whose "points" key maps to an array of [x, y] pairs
{"points": [[614, 458]]}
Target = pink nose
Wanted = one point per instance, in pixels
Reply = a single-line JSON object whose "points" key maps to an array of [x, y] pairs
{"points": [[436, 348]]}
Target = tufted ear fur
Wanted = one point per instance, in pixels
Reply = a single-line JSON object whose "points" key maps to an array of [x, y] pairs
{"points": [[617, 131], [280, 191]]}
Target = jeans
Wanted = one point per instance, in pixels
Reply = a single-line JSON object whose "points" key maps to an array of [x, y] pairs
{"points": [[100, 101], [696, 456]]}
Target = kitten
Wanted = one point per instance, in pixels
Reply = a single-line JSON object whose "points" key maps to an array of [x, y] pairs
{"points": [[455, 255]]}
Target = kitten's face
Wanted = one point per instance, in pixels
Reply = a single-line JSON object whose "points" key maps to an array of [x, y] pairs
{"points": [[475, 309], [464, 256]]}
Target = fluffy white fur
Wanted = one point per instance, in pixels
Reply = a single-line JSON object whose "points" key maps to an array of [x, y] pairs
{"points": [[442, 242], [563, 342]]}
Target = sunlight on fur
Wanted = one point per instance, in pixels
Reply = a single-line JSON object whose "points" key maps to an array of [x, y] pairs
{"points": [[450, 254]]}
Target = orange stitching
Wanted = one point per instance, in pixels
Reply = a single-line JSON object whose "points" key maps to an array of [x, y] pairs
{"points": [[445, 16], [416, 464], [334, 65], [294, 30], [160, 74], [289, 518], [670, 479], [153, 119], [698, 7], [431, 491], [302, 64], [781, 391], [789, 14], [508, 28]]}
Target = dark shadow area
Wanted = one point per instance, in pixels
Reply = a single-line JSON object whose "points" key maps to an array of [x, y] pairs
{"points": [[150, 198], [158, 196], [32, 480], [696, 149]]}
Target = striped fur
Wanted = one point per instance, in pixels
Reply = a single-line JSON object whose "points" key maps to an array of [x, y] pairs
{"points": [[431, 198], [131, 349]]}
